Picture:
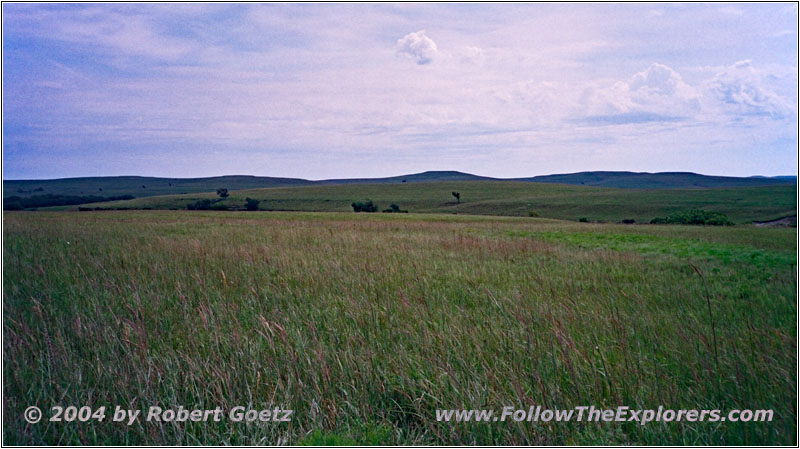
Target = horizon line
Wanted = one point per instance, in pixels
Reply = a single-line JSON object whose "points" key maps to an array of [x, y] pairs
{"points": [[406, 174]]}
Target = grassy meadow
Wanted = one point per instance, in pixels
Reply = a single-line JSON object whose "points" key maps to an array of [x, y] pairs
{"points": [[559, 201], [365, 324]]}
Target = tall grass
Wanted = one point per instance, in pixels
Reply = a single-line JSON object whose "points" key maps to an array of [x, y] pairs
{"points": [[365, 325]]}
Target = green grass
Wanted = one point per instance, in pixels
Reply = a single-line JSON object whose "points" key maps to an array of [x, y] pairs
{"points": [[741, 204], [366, 324]]}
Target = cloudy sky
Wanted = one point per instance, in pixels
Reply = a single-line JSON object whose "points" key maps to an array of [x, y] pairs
{"points": [[354, 90]]}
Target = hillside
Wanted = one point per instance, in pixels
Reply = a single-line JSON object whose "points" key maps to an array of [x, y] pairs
{"points": [[740, 204], [428, 176], [666, 180], [140, 186]]}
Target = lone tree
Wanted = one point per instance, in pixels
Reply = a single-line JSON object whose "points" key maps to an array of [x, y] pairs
{"points": [[223, 193], [458, 196]]}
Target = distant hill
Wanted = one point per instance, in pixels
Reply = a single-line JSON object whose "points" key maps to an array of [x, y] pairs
{"points": [[428, 176], [665, 180], [142, 186]]}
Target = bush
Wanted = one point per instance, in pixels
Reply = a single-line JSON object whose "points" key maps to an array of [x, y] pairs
{"points": [[223, 193], [628, 221], [694, 217], [204, 204], [583, 220], [364, 207], [251, 204], [395, 208]]}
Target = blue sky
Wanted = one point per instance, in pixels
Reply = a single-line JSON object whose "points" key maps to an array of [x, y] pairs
{"points": [[361, 90]]}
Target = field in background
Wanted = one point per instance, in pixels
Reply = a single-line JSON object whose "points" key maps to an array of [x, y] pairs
{"points": [[740, 204], [366, 324]]}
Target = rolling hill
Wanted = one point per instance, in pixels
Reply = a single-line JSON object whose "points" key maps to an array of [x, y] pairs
{"points": [[666, 180], [140, 186]]}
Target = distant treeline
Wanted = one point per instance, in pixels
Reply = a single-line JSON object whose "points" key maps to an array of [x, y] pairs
{"points": [[20, 203]]}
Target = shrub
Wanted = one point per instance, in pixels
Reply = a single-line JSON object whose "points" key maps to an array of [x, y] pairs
{"points": [[694, 217], [223, 193], [533, 213], [628, 221], [204, 204], [395, 208], [367, 206], [583, 220], [251, 204]]}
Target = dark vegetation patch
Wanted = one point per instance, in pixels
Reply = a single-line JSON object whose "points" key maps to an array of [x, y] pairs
{"points": [[694, 217], [364, 206], [22, 203], [207, 204], [251, 204], [394, 208]]}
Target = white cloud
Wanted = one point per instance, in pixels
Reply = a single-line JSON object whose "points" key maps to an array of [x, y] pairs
{"points": [[418, 46], [657, 93], [743, 89], [661, 90]]}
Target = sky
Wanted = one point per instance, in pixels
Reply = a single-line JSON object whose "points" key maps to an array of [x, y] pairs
{"points": [[320, 91]]}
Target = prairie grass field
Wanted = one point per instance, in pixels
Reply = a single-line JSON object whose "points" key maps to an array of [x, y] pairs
{"points": [[366, 324], [501, 198]]}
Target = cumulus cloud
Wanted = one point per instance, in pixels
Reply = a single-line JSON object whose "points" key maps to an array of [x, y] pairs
{"points": [[417, 46], [659, 94], [655, 93], [742, 89]]}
